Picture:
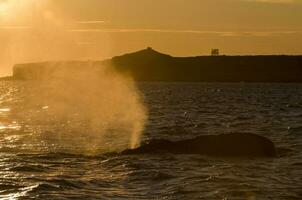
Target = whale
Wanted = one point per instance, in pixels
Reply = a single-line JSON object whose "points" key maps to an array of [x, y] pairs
{"points": [[224, 145]]}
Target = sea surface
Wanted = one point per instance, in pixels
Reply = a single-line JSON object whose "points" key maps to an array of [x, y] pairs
{"points": [[33, 165]]}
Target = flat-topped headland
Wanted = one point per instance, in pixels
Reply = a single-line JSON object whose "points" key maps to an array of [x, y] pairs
{"points": [[150, 65]]}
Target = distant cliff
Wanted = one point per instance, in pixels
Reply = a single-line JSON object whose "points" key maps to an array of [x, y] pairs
{"points": [[47, 70], [150, 65]]}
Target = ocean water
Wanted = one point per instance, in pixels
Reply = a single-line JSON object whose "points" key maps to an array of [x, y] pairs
{"points": [[35, 165]]}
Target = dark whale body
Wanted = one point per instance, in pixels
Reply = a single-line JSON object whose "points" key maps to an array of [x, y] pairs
{"points": [[226, 145]]}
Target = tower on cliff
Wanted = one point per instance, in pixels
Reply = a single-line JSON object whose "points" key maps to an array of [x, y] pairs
{"points": [[215, 52]]}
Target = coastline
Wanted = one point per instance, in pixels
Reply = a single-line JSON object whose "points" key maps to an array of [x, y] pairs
{"points": [[152, 66]]}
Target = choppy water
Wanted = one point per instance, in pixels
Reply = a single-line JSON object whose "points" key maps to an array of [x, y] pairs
{"points": [[33, 165]]}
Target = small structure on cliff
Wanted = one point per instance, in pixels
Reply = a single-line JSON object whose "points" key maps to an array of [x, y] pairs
{"points": [[215, 52]]}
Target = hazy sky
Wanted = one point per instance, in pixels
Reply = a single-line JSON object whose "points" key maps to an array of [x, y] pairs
{"points": [[33, 30]]}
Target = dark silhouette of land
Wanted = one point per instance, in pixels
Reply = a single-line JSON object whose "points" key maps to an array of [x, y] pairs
{"points": [[150, 65], [228, 145], [6, 78]]}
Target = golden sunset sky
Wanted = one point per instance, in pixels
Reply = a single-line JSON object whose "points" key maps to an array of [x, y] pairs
{"points": [[37, 30]]}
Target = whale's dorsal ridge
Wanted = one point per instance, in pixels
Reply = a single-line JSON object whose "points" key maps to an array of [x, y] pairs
{"points": [[230, 145]]}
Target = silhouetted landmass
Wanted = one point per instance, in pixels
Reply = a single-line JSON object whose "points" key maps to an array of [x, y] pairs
{"points": [[229, 145], [6, 78], [47, 70], [150, 65]]}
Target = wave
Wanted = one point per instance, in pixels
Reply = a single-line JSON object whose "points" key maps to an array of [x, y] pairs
{"points": [[295, 130], [31, 168]]}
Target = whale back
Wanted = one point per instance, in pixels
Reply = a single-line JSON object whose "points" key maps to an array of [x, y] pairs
{"points": [[233, 145]]}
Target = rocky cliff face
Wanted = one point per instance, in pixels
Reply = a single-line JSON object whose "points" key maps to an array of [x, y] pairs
{"points": [[47, 70], [150, 65]]}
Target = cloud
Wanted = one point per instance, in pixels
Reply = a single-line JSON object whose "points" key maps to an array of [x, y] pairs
{"points": [[258, 33], [92, 22], [117, 30], [217, 33], [14, 27], [273, 1]]}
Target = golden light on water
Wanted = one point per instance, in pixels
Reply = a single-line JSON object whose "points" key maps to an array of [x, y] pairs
{"points": [[9, 126], [4, 125], [2, 110]]}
